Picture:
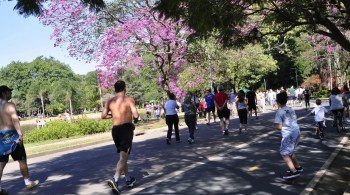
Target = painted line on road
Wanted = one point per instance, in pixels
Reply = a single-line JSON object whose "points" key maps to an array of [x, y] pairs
{"points": [[324, 168], [209, 159]]}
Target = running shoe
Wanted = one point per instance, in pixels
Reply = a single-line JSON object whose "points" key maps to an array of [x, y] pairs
{"points": [[208, 124], [190, 140], [131, 182], [299, 169], [32, 184], [225, 132], [321, 135], [291, 175], [114, 185], [168, 141]]}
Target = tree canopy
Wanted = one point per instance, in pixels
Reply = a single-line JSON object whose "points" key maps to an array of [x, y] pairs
{"points": [[240, 22], [35, 7]]}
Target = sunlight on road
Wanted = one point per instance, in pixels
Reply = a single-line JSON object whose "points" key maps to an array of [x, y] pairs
{"points": [[58, 177]]}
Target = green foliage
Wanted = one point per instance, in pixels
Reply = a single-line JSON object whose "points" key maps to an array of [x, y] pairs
{"points": [[32, 82], [322, 94], [90, 89], [59, 129]]}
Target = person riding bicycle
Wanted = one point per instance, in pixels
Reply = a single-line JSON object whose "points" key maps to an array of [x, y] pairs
{"points": [[336, 105], [319, 117], [346, 99]]}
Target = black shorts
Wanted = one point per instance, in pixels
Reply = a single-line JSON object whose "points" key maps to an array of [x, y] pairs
{"points": [[18, 154], [225, 113], [251, 106], [242, 114], [122, 137], [210, 109]]}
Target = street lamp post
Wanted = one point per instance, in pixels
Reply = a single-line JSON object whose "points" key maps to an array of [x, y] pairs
{"points": [[296, 76], [210, 74]]}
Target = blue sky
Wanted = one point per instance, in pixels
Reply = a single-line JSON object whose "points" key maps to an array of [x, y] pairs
{"points": [[24, 39]]}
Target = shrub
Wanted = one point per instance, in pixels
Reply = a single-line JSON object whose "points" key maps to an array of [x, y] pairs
{"points": [[59, 129], [322, 94]]}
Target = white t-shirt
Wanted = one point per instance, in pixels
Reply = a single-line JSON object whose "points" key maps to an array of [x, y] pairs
{"points": [[170, 107], [319, 112]]}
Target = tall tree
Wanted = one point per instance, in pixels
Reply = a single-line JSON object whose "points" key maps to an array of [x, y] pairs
{"points": [[31, 79], [119, 36]]}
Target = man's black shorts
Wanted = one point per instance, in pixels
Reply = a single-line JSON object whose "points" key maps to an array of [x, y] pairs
{"points": [[18, 154], [225, 113], [122, 136], [251, 106], [210, 109]]}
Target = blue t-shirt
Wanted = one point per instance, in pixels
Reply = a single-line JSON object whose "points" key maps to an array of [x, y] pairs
{"points": [[209, 99], [232, 97]]}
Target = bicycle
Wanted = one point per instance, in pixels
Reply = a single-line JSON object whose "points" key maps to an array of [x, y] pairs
{"points": [[340, 126]]}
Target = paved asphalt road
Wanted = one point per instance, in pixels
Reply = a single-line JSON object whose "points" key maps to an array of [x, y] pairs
{"points": [[236, 164]]}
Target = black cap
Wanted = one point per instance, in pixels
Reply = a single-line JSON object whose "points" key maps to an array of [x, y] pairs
{"points": [[4, 88]]}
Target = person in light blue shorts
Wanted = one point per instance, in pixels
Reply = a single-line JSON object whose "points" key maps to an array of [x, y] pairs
{"points": [[11, 138], [286, 121]]}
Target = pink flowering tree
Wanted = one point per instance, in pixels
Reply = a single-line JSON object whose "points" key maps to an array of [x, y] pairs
{"points": [[118, 37]]}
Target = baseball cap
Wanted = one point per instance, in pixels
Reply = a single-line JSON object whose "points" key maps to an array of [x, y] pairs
{"points": [[4, 88], [221, 88]]}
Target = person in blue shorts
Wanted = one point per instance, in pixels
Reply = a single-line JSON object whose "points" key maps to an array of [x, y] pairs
{"points": [[209, 99], [286, 121], [11, 138]]}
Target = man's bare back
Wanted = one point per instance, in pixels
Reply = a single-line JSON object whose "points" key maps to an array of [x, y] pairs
{"points": [[7, 111], [122, 109]]}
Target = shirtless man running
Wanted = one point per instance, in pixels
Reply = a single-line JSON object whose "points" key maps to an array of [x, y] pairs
{"points": [[12, 138], [122, 110]]}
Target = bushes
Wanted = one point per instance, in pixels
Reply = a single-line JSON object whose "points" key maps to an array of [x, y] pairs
{"points": [[322, 94], [59, 129]]}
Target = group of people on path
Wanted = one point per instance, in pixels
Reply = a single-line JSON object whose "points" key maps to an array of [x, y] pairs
{"points": [[155, 108], [123, 112]]}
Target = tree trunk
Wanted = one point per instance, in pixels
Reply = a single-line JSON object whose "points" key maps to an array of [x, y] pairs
{"points": [[100, 92], [70, 107], [42, 104]]}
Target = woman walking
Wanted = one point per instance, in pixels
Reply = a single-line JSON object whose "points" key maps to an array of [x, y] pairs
{"points": [[189, 108], [241, 103], [171, 118]]}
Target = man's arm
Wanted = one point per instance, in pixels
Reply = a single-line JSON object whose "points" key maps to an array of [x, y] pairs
{"points": [[105, 111], [216, 104], [15, 120], [278, 126], [135, 113]]}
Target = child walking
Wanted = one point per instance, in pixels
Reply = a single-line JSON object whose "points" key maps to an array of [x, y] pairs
{"points": [[319, 112], [286, 121]]}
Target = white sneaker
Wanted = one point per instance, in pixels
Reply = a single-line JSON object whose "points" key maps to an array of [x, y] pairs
{"points": [[32, 184]]}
